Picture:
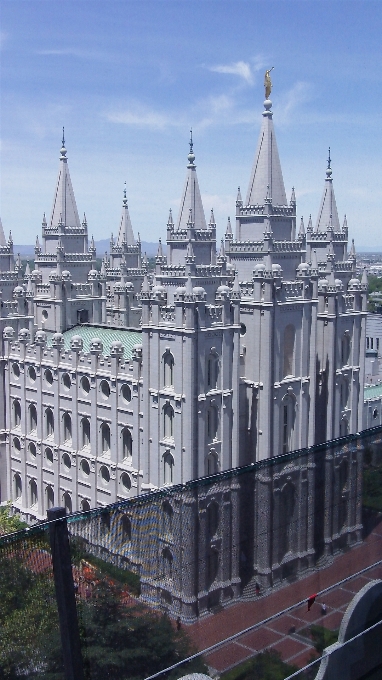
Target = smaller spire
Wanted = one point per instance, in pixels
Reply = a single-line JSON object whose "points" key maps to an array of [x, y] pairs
{"points": [[314, 260], [92, 244], [145, 262], [239, 200], [310, 224], [84, 221], [345, 224], [27, 269], [236, 285], [352, 250], [37, 248], [364, 281], [190, 257], [301, 232], [160, 250], [221, 255], [139, 238], [189, 288], [145, 284], [44, 220], [212, 222], [293, 198], [170, 221], [10, 239], [228, 231]]}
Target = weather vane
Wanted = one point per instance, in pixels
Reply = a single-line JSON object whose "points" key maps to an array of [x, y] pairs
{"points": [[268, 82]]}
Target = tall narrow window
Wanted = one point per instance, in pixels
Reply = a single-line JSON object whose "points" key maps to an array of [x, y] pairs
{"points": [[49, 422], [212, 463], [67, 502], [289, 341], [287, 423], [85, 427], [168, 468], [168, 368], [18, 486], [286, 514], [67, 422], [168, 516], [49, 498], [105, 437], [212, 519], [33, 492], [212, 423], [167, 560], [127, 443], [212, 371], [345, 349], [16, 413], [32, 418], [168, 417]]}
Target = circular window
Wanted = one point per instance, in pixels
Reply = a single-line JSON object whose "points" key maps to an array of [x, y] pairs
{"points": [[66, 381], [126, 393], [126, 481], [16, 370], [49, 456], [85, 506], [105, 474], [32, 373], [85, 467], [44, 314], [32, 449], [49, 376], [85, 384], [243, 329], [375, 413], [105, 389], [16, 444], [66, 461]]}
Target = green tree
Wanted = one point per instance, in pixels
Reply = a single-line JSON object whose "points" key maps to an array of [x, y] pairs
{"points": [[9, 522]]}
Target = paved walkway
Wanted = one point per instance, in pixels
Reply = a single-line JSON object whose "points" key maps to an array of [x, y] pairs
{"points": [[284, 634]]}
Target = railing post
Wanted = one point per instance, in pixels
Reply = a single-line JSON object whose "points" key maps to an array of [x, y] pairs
{"points": [[66, 601]]}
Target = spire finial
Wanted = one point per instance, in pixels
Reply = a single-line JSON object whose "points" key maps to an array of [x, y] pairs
{"points": [[191, 155], [63, 136], [329, 159], [124, 196], [63, 149], [329, 168]]}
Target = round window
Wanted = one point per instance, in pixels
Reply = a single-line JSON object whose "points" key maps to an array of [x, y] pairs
{"points": [[66, 381], [16, 370], [32, 373], [44, 314], [126, 393], [105, 474], [66, 461], [105, 389], [85, 467], [32, 449], [49, 456], [243, 329], [85, 384], [49, 376], [126, 481]]}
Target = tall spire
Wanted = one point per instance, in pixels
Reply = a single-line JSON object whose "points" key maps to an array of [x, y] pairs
{"points": [[125, 233], [2, 235], [191, 198], [266, 169], [64, 203], [327, 214]]}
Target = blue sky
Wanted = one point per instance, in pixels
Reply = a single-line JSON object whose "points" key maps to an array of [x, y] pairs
{"points": [[129, 78]]}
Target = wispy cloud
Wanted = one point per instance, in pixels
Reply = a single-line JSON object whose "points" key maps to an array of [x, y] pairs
{"points": [[138, 115], [299, 94], [77, 53], [238, 68]]}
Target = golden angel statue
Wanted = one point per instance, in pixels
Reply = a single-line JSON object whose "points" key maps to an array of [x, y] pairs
{"points": [[268, 82]]}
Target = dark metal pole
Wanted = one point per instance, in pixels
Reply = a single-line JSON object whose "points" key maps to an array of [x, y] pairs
{"points": [[66, 600]]}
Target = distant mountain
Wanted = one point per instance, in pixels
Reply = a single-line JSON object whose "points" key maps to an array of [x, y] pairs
{"points": [[101, 246]]}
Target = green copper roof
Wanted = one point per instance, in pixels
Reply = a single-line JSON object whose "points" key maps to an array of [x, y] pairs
{"points": [[372, 391], [106, 335]]}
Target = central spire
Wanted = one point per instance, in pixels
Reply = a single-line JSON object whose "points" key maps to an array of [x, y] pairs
{"points": [[64, 211], [125, 234], [191, 198], [266, 171]]}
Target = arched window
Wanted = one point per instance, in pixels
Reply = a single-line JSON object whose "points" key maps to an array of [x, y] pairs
{"points": [[168, 515], [105, 437], [212, 519], [33, 492], [344, 427], [49, 497], [18, 486], [212, 566], [105, 522], [67, 501], [212, 371], [287, 423], [85, 505], [49, 422], [167, 561], [127, 443], [32, 418], [168, 418], [212, 423], [85, 428], [168, 468], [289, 340], [286, 514], [344, 394], [212, 463], [126, 529], [67, 422], [168, 369], [345, 349], [16, 413]]}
